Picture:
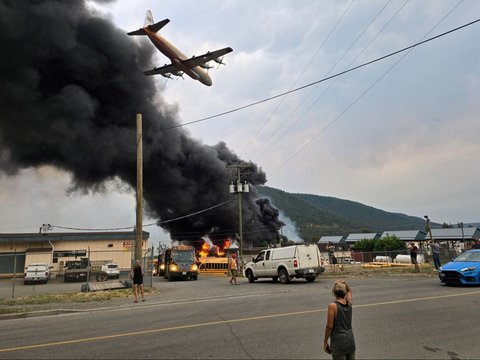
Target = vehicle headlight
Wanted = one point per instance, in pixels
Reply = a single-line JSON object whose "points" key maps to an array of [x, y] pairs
{"points": [[173, 267], [194, 267], [162, 267], [471, 268]]}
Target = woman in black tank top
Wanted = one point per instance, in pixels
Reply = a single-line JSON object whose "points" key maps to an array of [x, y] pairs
{"points": [[339, 324]]}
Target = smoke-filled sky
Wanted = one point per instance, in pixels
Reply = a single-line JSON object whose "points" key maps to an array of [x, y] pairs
{"points": [[399, 135]]}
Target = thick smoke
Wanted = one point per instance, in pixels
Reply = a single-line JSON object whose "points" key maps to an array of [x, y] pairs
{"points": [[71, 86]]}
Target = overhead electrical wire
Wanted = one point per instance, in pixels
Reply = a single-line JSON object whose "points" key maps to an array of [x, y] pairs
{"points": [[299, 76], [315, 87], [145, 225], [374, 84], [335, 80], [318, 81]]}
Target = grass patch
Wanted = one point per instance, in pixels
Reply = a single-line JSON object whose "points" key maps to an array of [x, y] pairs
{"points": [[78, 297], [358, 271]]}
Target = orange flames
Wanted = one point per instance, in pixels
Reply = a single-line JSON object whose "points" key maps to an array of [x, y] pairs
{"points": [[215, 250]]}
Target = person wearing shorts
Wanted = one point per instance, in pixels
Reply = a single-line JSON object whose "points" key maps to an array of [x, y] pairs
{"points": [[232, 269], [137, 277]]}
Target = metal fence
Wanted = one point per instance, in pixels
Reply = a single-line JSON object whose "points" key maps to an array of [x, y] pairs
{"points": [[13, 266], [362, 257]]}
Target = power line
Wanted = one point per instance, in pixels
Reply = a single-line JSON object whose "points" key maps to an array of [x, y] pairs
{"points": [[299, 76], [373, 85], [151, 224], [313, 90], [319, 81]]}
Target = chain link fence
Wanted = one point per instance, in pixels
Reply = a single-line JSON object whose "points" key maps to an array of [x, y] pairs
{"points": [[13, 266]]}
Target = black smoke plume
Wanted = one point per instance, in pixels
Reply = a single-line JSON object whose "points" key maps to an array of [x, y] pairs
{"points": [[71, 84]]}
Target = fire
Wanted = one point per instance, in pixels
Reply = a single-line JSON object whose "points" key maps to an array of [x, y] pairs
{"points": [[204, 250], [214, 250]]}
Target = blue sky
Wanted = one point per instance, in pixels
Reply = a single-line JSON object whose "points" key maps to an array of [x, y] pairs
{"points": [[409, 144]]}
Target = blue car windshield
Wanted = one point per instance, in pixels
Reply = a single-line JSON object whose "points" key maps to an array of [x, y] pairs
{"points": [[468, 256]]}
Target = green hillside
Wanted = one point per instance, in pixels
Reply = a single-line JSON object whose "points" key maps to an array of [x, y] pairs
{"points": [[317, 216]]}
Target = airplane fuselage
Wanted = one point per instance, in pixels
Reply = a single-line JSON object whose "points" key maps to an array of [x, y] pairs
{"points": [[176, 56]]}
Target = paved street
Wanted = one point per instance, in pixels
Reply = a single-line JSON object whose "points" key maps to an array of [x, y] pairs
{"points": [[394, 318]]}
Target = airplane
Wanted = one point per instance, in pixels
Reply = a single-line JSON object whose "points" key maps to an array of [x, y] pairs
{"points": [[193, 67]]}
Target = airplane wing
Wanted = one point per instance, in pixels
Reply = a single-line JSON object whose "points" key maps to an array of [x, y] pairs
{"points": [[202, 59], [163, 70], [191, 63]]}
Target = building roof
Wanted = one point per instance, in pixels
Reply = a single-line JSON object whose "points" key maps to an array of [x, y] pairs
{"points": [[73, 236], [406, 235], [455, 234], [332, 239], [356, 237]]}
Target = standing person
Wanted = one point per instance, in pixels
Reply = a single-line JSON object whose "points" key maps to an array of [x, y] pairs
{"points": [[137, 276], [339, 324], [331, 255], [232, 269], [413, 255], [435, 249]]}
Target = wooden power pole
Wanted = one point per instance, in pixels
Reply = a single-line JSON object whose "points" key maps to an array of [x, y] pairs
{"points": [[139, 216]]}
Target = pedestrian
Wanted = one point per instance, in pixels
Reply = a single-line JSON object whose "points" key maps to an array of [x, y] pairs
{"points": [[232, 269], [137, 277], [435, 249], [331, 255], [339, 324], [413, 256]]}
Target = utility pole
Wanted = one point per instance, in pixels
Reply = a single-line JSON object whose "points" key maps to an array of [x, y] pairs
{"points": [[139, 215], [429, 227], [238, 189]]}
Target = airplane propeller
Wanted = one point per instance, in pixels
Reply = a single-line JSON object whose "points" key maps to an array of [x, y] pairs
{"points": [[219, 61]]}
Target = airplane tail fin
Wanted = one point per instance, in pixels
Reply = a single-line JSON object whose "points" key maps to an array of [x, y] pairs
{"points": [[148, 19], [150, 25]]}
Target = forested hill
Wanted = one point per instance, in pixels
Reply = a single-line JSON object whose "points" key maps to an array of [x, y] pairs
{"points": [[317, 216]]}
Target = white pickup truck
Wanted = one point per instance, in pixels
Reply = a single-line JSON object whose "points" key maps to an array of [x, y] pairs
{"points": [[284, 264]]}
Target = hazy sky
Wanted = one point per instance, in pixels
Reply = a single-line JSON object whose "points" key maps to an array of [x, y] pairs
{"points": [[400, 134]]}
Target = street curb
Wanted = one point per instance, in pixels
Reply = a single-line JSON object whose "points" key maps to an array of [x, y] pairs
{"points": [[38, 313]]}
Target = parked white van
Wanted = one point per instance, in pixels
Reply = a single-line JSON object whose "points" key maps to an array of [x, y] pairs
{"points": [[285, 264]]}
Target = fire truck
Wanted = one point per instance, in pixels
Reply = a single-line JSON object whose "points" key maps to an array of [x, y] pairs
{"points": [[180, 263]]}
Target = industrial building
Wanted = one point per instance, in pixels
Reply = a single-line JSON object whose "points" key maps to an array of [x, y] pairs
{"points": [[19, 250]]}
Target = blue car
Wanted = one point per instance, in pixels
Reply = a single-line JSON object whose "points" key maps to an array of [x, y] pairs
{"points": [[463, 270]]}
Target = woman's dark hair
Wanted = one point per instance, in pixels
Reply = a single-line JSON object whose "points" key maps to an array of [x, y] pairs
{"points": [[339, 293]]}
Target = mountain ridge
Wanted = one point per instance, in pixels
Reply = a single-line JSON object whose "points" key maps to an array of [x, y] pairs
{"points": [[316, 216]]}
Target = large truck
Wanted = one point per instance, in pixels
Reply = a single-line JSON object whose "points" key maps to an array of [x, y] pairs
{"points": [[180, 263], [83, 269], [285, 264]]}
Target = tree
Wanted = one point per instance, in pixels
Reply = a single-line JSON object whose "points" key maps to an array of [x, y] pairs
{"points": [[389, 243], [364, 245]]}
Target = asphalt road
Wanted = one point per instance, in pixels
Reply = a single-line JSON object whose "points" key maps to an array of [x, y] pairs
{"points": [[210, 319]]}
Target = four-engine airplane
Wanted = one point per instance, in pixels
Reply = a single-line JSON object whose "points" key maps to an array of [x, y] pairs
{"points": [[193, 67]]}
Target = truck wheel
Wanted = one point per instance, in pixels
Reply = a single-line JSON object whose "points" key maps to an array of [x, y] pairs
{"points": [[310, 278], [102, 277], [250, 276], [194, 277], [283, 276], [275, 279]]}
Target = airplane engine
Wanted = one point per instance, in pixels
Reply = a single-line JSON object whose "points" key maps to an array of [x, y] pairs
{"points": [[219, 60], [167, 75], [178, 73], [206, 66]]}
